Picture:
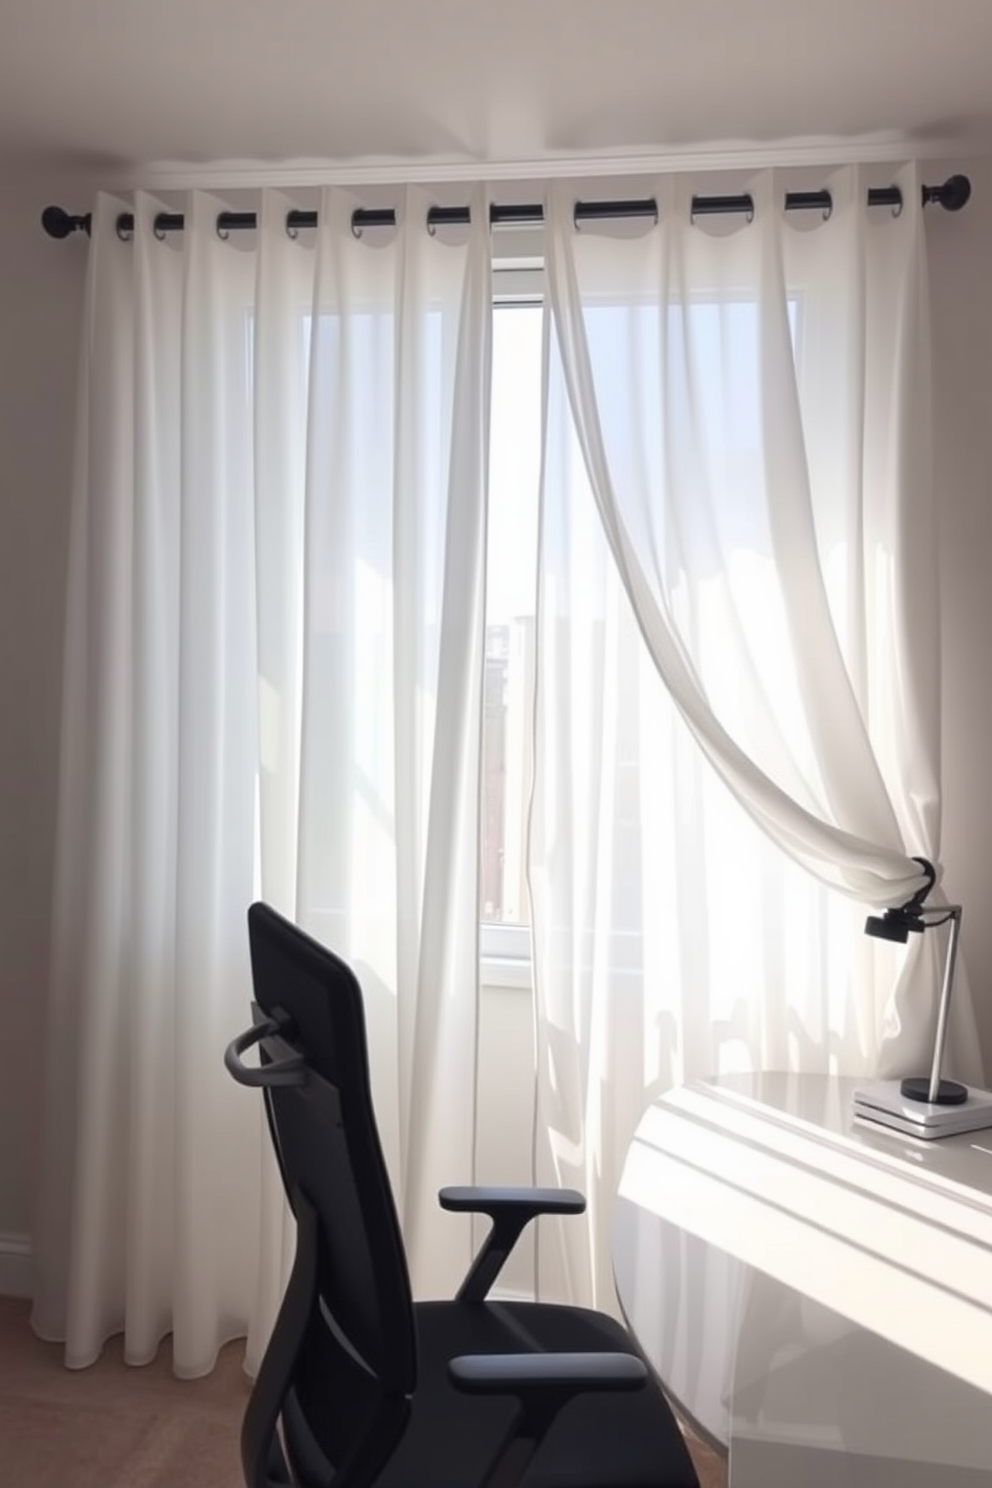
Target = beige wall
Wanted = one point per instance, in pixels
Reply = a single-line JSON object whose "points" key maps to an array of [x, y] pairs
{"points": [[960, 256], [40, 294]]}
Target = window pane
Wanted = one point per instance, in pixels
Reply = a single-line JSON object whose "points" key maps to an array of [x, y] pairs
{"points": [[511, 581]]}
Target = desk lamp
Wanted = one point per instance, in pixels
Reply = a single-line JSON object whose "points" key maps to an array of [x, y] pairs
{"points": [[924, 1106]]}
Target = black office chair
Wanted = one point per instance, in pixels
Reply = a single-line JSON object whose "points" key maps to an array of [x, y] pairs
{"points": [[362, 1386]]}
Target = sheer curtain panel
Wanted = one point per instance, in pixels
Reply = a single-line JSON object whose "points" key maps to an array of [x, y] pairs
{"points": [[738, 702], [272, 687]]}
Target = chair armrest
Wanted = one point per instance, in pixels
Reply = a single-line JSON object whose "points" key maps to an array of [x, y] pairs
{"points": [[544, 1383], [510, 1210], [494, 1199], [531, 1374]]}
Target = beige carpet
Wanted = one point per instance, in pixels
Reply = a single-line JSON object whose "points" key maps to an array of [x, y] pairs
{"points": [[112, 1426], [116, 1427]]}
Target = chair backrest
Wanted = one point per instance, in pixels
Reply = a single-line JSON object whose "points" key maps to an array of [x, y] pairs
{"points": [[360, 1343]]}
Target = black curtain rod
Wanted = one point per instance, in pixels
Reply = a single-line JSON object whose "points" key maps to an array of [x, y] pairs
{"points": [[952, 196]]}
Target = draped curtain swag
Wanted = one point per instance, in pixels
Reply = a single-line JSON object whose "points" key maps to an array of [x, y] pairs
{"points": [[738, 500]]}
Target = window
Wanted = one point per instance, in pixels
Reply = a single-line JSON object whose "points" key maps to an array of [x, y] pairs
{"points": [[511, 588], [724, 333]]}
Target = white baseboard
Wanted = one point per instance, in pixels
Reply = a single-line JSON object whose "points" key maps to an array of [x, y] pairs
{"points": [[509, 1294], [16, 1267]]}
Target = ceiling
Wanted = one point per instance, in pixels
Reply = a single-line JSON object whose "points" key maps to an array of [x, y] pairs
{"points": [[111, 84]]}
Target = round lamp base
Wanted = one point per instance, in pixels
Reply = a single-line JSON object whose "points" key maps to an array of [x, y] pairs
{"points": [[949, 1092]]}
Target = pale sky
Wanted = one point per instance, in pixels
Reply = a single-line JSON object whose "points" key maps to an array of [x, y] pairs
{"points": [[514, 462]]}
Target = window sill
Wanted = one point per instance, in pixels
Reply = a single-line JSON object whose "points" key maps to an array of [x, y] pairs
{"points": [[506, 971]]}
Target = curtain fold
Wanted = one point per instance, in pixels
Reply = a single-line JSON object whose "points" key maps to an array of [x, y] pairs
{"points": [[272, 687], [737, 608]]}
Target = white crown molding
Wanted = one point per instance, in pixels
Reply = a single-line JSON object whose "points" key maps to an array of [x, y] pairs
{"points": [[743, 155], [16, 1266]]}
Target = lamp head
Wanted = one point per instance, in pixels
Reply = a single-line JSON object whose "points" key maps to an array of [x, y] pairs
{"points": [[897, 924]]}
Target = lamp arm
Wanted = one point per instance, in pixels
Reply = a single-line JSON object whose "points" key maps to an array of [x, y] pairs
{"points": [[953, 913]]}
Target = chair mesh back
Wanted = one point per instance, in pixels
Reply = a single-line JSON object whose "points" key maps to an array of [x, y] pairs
{"points": [[328, 1149]]}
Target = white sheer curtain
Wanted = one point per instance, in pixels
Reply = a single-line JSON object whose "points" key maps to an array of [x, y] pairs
{"points": [[737, 496], [272, 685]]}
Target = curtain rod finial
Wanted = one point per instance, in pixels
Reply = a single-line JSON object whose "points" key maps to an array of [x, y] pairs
{"points": [[952, 196], [58, 223]]}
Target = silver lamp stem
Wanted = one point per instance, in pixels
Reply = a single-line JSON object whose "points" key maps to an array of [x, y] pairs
{"points": [[954, 913]]}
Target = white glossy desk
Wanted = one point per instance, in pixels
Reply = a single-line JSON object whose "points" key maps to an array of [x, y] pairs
{"points": [[816, 1296]]}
